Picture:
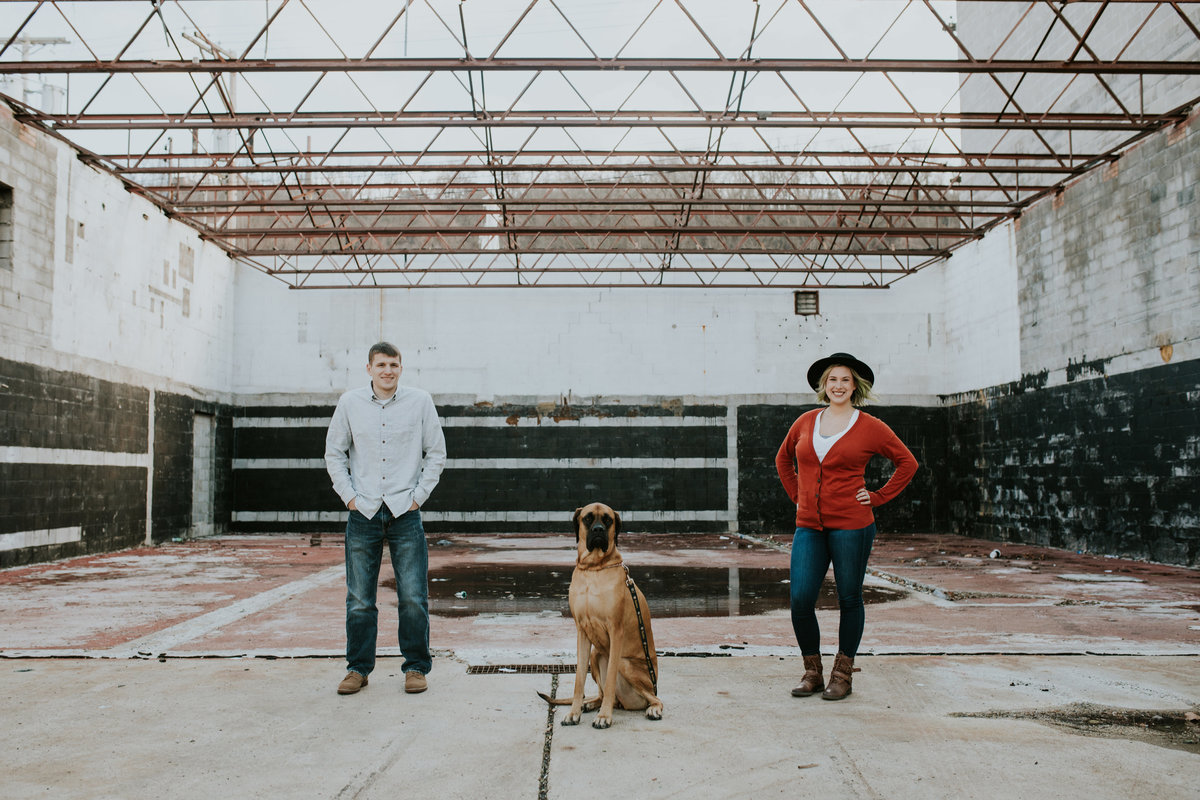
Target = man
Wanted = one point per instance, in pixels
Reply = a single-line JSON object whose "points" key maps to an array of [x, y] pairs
{"points": [[385, 452]]}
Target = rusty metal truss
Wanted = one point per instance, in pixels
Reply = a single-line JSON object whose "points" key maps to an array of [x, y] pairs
{"points": [[678, 143]]}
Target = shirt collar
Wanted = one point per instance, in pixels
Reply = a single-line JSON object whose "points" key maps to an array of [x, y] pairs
{"points": [[376, 399]]}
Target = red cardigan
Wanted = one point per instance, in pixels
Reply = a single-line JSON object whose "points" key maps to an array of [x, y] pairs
{"points": [[823, 491]]}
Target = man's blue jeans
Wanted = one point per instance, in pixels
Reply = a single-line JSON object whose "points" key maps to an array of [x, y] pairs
{"points": [[405, 538], [812, 552]]}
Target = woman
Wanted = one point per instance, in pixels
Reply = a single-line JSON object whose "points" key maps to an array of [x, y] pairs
{"points": [[821, 464]]}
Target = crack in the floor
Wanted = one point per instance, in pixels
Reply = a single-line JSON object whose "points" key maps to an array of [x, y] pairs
{"points": [[544, 778]]}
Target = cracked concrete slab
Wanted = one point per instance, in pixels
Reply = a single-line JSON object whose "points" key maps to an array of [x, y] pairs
{"points": [[208, 667]]}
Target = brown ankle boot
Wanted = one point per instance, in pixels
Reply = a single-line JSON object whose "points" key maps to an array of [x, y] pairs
{"points": [[839, 677], [812, 682]]}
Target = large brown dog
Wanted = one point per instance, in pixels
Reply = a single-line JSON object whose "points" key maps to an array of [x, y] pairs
{"points": [[608, 638]]}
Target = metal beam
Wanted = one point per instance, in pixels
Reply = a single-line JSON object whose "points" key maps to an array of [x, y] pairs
{"points": [[629, 65]]}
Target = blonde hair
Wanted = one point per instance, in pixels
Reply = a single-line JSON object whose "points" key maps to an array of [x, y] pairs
{"points": [[862, 387]]}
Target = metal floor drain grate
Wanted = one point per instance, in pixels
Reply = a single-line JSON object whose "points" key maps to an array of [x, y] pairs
{"points": [[521, 669]]}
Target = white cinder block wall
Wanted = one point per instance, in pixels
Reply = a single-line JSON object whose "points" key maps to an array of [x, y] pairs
{"points": [[135, 289], [585, 342], [983, 321], [1110, 274], [102, 282]]}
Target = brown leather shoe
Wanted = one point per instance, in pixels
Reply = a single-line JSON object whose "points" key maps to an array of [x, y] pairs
{"points": [[813, 681], [414, 682], [840, 678], [352, 683]]}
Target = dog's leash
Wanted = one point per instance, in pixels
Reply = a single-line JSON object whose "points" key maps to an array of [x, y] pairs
{"points": [[641, 627]]}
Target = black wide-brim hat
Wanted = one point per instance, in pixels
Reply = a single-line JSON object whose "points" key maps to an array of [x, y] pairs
{"points": [[837, 359]]}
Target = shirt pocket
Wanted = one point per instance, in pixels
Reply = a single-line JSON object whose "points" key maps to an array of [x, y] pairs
{"points": [[402, 433]]}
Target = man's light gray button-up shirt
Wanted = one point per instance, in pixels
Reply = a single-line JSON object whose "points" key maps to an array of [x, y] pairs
{"points": [[385, 451]]}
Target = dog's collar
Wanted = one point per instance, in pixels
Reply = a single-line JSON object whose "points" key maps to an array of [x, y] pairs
{"points": [[597, 569]]}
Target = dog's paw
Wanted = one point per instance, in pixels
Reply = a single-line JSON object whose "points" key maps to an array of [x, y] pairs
{"points": [[600, 723], [571, 719], [654, 712]]}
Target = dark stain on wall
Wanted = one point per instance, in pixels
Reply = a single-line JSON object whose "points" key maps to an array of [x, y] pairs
{"points": [[1083, 367], [1029, 382]]}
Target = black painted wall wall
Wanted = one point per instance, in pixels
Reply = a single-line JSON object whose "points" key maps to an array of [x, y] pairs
{"points": [[1108, 465], [668, 488], [528, 434], [174, 416], [1103, 464], [56, 410]]}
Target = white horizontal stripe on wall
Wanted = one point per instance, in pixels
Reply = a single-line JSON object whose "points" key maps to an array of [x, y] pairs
{"points": [[512, 463], [489, 516], [23, 539], [281, 422], [86, 458], [502, 422], [585, 422]]}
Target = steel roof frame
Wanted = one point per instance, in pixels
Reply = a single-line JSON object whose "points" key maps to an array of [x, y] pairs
{"points": [[685, 188]]}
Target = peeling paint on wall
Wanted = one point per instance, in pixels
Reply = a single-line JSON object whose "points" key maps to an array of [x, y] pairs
{"points": [[1083, 367]]}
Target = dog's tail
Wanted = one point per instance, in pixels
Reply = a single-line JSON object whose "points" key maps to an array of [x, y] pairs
{"points": [[589, 704], [555, 701]]}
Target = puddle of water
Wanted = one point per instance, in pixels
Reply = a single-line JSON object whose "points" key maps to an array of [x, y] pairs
{"points": [[670, 591]]}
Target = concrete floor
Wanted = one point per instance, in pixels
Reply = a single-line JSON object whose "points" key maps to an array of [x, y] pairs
{"points": [[208, 668]]}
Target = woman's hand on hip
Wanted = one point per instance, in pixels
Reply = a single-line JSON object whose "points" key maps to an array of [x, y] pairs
{"points": [[863, 496]]}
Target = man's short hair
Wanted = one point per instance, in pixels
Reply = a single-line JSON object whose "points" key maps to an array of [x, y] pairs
{"points": [[387, 348]]}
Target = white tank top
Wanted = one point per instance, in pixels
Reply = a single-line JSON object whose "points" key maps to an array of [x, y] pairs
{"points": [[822, 443]]}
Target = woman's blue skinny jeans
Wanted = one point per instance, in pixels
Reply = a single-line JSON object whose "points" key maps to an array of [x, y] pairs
{"points": [[812, 552]]}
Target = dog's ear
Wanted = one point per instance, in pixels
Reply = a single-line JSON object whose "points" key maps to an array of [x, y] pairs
{"points": [[575, 522], [616, 526]]}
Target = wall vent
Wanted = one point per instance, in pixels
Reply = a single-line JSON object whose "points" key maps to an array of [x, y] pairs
{"points": [[807, 303]]}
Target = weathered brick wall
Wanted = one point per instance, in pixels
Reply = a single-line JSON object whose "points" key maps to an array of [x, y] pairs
{"points": [[1091, 444], [30, 169], [983, 316], [584, 343], [1107, 465], [1113, 267]]}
